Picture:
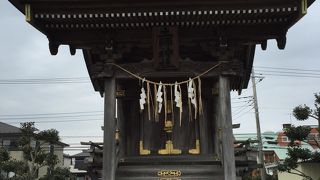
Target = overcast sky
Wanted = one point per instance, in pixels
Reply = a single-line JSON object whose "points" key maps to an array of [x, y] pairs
{"points": [[25, 55]]}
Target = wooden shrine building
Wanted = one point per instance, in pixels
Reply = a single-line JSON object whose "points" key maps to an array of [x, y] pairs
{"points": [[169, 67]]}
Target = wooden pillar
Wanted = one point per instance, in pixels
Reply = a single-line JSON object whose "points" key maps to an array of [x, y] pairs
{"points": [[225, 119], [121, 128], [109, 153], [216, 124], [203, 123]]}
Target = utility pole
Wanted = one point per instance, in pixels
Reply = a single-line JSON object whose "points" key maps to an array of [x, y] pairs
{"points": [[256, 108]]}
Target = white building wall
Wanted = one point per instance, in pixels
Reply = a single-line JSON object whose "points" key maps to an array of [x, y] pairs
{"points": [[310, 169], [18, 155]]}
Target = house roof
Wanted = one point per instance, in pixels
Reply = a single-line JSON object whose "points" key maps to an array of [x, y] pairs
{"points": [[62, 144], [8, 129], [269, 141], [82, 154]]}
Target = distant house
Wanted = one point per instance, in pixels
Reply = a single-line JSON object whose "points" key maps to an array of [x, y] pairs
{"points": [[271, 150], [275, 144], [9, 136], [9, 139], [77, 165], [275, 149], [312, 138]]}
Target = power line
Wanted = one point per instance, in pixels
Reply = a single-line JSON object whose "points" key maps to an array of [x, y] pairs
{"points": [[289, 75], [71, 137], [48, 117], [60, 117], [239, 112], [57, 113], [290, 69], [56, 121], [46, 80], [237, 102], [287, 72], [242, 114], [41, 83], [243, 97], [67, 80], [241, 108], [238, 106], [284, 108]]}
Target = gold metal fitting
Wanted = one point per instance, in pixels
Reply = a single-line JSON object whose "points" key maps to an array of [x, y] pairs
{"points": [[27, 9], [169, 149], [117, 135], [169, 173], [197, 149], [168, 126], [143, 151]]}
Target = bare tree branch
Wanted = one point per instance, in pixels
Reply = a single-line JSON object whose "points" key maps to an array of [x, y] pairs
{"points": [[315, 117]]}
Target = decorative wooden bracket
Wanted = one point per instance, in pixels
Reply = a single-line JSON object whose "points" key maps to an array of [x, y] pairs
{"points": [[166, 48], [264, 45], [53, 47], [281, 42], [72, 50]]}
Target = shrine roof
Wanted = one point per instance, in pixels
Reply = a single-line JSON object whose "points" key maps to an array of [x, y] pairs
{"points": [[81, 23], [148, 3], [238, 24], [96, 4]]}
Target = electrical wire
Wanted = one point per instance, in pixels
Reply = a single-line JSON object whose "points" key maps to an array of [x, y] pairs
{"points": [[287, 72], [57, 113], [46, 80], [242, 114], [265, 70], [56, 121], [49, 117], [59, 117], [241, 108], [288, 75], [289, 69], [81, 136]]}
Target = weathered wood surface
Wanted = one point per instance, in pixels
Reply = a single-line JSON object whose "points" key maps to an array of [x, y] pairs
{"points": [[225, 119], [109, 145]]}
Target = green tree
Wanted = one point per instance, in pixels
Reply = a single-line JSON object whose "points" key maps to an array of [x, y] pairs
{"points": [[59, 173], [297, 154], [37, 152], [304, 112], [34, 150], [298, 135], [4, 155], [8, 165]]}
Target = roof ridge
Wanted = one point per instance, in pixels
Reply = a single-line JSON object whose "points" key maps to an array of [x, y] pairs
{"points": [[7, 128]]}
